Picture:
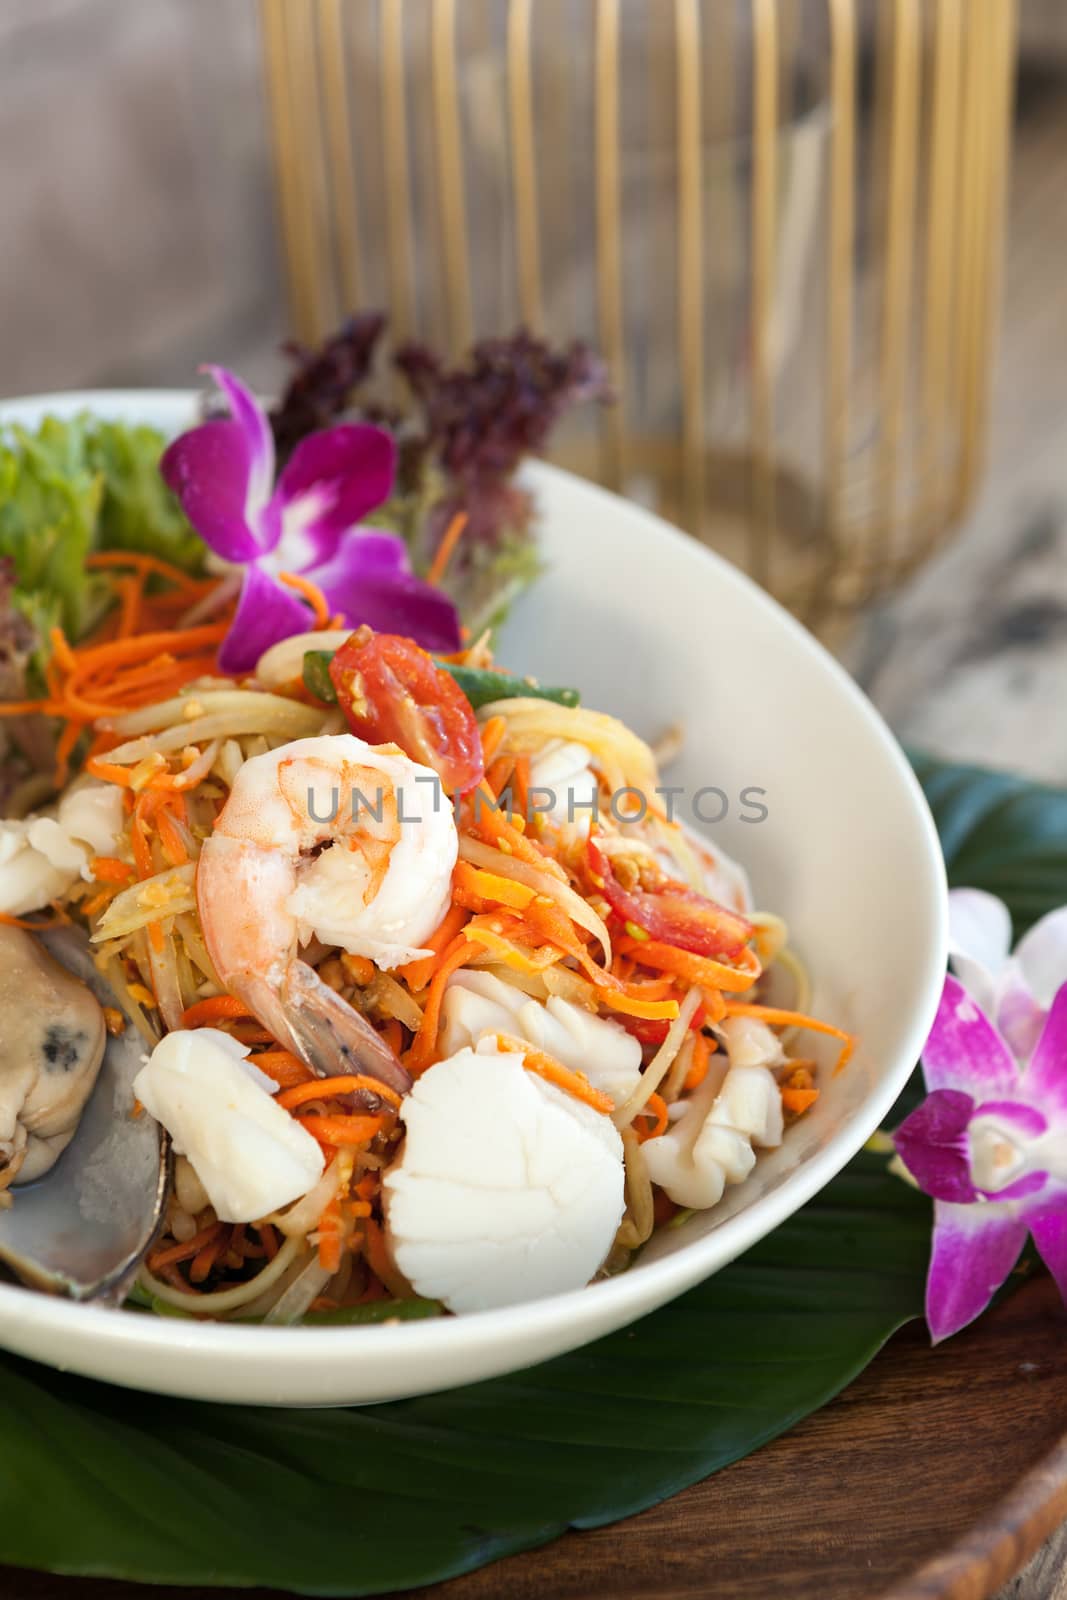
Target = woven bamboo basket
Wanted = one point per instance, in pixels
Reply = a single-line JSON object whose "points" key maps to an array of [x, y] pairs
{"points": [[779, 220]]}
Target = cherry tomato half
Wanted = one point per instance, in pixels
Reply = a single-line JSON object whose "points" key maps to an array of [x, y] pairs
{"points": [[392, 691], [672, 913]]}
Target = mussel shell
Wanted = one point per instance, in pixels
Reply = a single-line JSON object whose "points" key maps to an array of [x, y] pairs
{"points": [[83, 1228]]}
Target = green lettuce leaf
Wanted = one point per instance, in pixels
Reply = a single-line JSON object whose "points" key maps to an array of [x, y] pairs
{"points": [[68, 489], [50, 502], [138, 511]]}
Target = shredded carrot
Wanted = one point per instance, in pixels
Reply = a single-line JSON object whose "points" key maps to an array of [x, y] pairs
{"points": [[109, 869], [108, 772], [311, 593], [490, 887], [268, 1239], [776, 1018], [521, 785], [329, 1230], [42, 925], [698, 1067], [497, 774], [285, 1068], [656, 1107], [170, 838], [488, 821], [553, 1071], [497, 941], [184, 1252], [458, 953], [417, 974], [90, 659], [249, 1033], [205, 1258], [131, 594], [393, 1034], [30, 708], [142, 850], [328, 1088], [701, 970], [492, 738], [99, 901], [654, 1010], [205, 1013], [68, 738], [446, 549], [378, 1259], [342, 1130], [798, 1100], [142, 563]]}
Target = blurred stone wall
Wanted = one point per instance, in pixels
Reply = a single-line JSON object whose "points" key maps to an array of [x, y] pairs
{"points": [[136, 197]]}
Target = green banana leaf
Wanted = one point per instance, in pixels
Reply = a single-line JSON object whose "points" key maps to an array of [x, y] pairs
{"points": [[98, 1481]]}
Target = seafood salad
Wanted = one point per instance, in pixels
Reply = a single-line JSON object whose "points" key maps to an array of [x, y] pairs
{"points": [[438, 1008]]}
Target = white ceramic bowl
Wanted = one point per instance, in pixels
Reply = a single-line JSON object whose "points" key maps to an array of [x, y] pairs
{"points": [[651, 626]]}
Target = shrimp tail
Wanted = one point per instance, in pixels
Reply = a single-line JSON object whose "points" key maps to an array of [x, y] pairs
{"points": [[330, 1035]]}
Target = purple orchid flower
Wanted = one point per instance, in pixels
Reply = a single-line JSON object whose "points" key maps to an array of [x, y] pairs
{"points": [[989, 1143], [308, 524]]}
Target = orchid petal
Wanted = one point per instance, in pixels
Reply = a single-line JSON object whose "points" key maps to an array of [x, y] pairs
{"points": [[207, 468], [934, 1147], [1042, 956], [1029, 1184], [267, 612], [358, 584], [979, 926], [975, 1248], [1049, 1229], [381, 555], [1045, 1078], [1025, 1119], [979, 939], [329, 484], [250, 417], [964, 1050], [1019, 1016]]}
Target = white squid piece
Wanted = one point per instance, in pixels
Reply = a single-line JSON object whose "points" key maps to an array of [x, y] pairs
{"points": [[563, 772], [42, 857], [506, 1188], [711, 1143], [478, 1005], [250, 1155]]}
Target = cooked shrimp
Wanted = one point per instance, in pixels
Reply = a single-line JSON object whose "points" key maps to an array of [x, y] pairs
{"points": [[334, 839]]}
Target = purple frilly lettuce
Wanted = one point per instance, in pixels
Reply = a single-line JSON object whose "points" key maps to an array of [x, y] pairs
{"points": [[989, 1143], [308, 524]]}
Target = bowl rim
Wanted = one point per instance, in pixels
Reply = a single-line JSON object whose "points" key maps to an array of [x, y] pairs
{"points": [[631, 1294]]}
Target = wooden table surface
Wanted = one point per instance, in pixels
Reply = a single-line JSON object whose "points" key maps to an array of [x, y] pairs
{"points": [[877, 1497]]}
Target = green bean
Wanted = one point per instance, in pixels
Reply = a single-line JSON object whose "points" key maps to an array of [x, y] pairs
{"points": [[480, 685]]}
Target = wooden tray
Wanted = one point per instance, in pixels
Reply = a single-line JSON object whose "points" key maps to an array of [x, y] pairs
{"points": [[934, 1477]]}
